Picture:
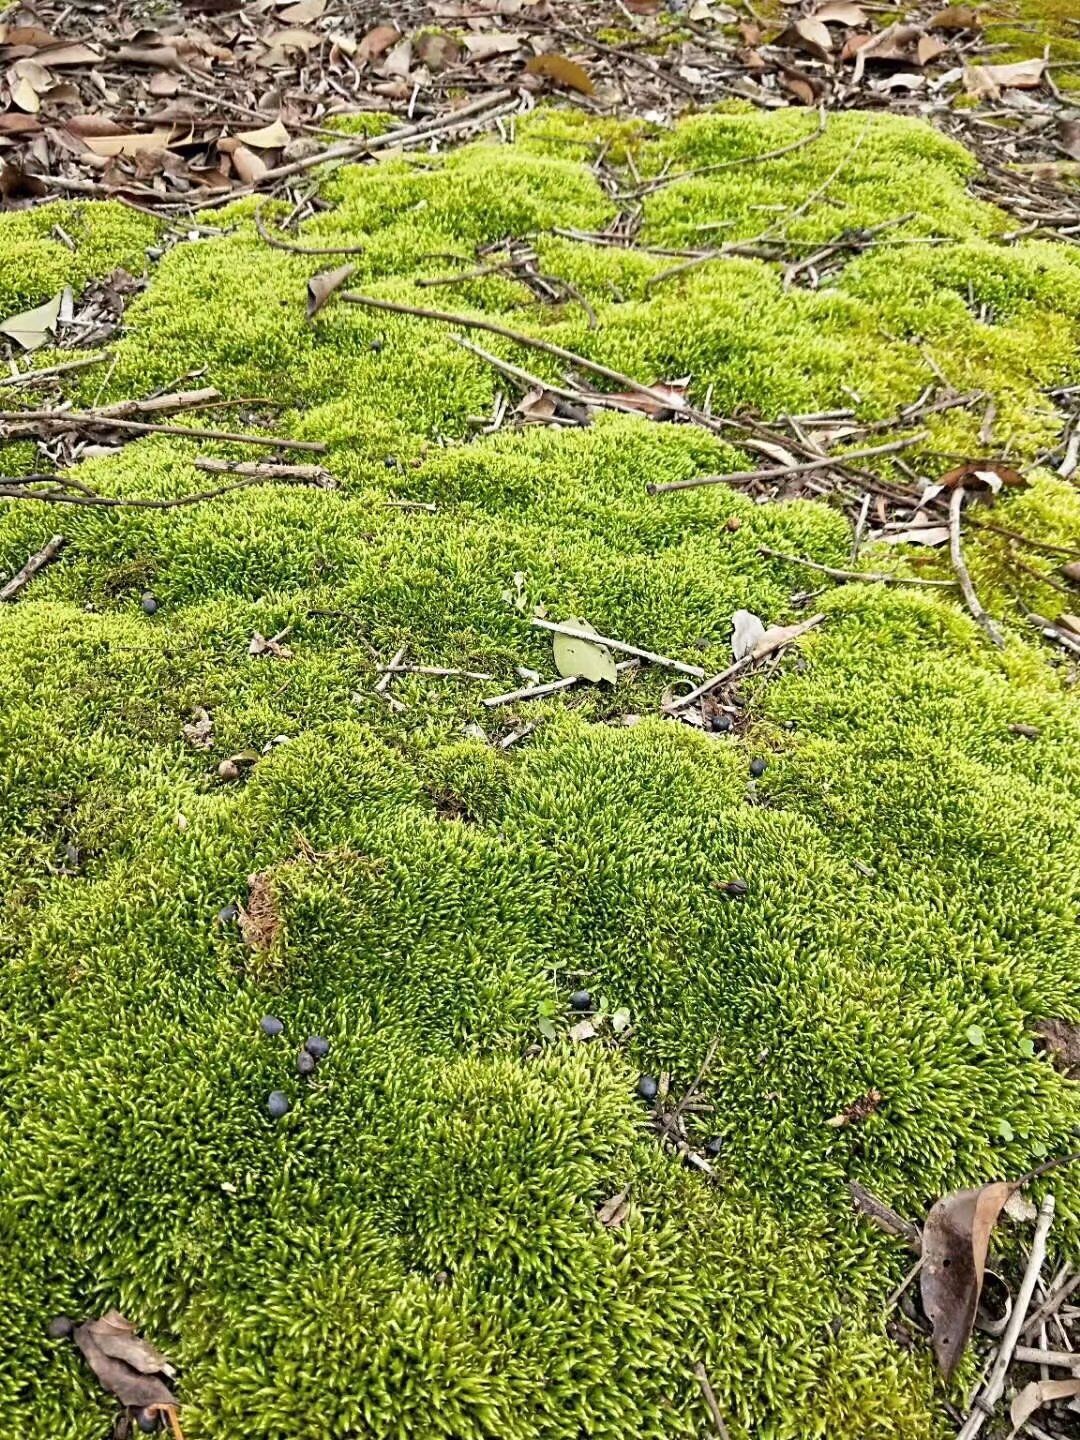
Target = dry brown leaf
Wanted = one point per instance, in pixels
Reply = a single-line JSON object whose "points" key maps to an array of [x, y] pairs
{"points": [[268, 137], [163, 85], [810, 34], [303, 12], [12, 124], [1062, 1041], [320, 287], [259, 920], [129, 144], [250, 167], [1034, 1396], [929, 48], [581, 1032], [674, 399], [1068, 138], [163, 57], [376, 43], [916, 535], [436, 51], [613, 1212], [199, 731], [779, 635], [260, 645], [398, 62], [749, 32], [31, 328], [59, 55], [561, 71], [986, 82], [486, 46], [110, 1346], [954, 17], [981, 474], [840, 12], [1071, 572], [955, 1240], [31, 37], [896, 43], [537, 405], [796, 82], [293, 39], [858, 1111]]}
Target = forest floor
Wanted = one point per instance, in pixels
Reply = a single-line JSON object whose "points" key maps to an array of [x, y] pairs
{"points": [[626, 979]]}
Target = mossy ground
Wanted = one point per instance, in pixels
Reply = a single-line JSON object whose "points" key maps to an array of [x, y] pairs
{"points": [[414, 1250]]}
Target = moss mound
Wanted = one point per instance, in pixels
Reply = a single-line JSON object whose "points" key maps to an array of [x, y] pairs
{"points": [[414, 1250]]}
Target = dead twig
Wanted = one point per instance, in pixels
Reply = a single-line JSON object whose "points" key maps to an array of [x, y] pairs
{"points": [[574, 634], [36, 562], [956, 554], [399, 668], [779, 472], [532, 692], [885, 1217], [309, 474], [32, 377], [709, 1396], [275, 243], [22, 488], [650, 186], [1050, 1306], [92, 419], [698, 1078], [868, 575], [761, 653], [987, 1399]]}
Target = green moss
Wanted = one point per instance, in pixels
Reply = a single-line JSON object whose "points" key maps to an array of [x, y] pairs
{"points": [[414, 1249]]}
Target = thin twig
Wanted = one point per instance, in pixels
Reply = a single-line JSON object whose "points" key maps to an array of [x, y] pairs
{"points": [[698, 1078], [1059, 1359], [31, 377], [387, 672], [904, 1283], [575, 634], [276, 244], [21, 489], [650, 186], [702, 1377], [427, 505], [73, 419], [868, 575], [956, 554], [532, 692], [310, 474], [36, 562], [762, 652], [779, 472], [986, 1400], [860, 527], [1051, 1306], [398, 668]]}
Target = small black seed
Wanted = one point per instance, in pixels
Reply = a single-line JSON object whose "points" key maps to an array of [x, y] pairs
{"points": [[713, 1147], [305, 1063], [316, 1046], [278, 1104], [647, 1088], [59, 1328], [271, 1025], [581, 1000], [757, 767], [228, 913], [149, 602]]}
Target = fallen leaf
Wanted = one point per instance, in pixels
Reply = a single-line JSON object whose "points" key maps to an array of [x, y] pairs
{"points": [[163, 57], [199, 731], [954, 17], [259, 920], [987, 474], [436, 51], [582, 657], [929, 48], [260, 645], [303, 12], [916, 535], [134, 1385], [582, 1031], [32, 328], [750, 32], [15, 183], [156, 142], [1071, 571], [486, 46], [320, 287], [620, 1020], [1069, 138], [810, 34], [561, 71], [12, 124], [31, 36], [377, 42], [398, 61], [1062, 1041], [163, 85], [955, 1240], [293, 39], [668, 398], [986, 82], [69, 55], [250, 167], [269, 137], [613, 1212], [1034, 1396], [749, 628], [858, 1111], [537, 405], [894, 43], [779, 635], [840, 12]]}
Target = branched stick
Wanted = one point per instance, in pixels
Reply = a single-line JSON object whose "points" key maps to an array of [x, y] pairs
{"points": [[36, 562], [779, 472], [835, 574], [693, 670], [956, 554], [762, 652], [984, 1403]]}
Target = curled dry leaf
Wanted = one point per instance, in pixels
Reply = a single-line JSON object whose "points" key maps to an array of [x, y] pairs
{"points": [[268, 137], [376, 43], [810, 33], [1034, 1396], [125, 1365], [840, 12], [613, 1212], [561, 71], [981, 474], [320, 287], [672, 391], [986, 82], [955, 1241], [581, 657]]}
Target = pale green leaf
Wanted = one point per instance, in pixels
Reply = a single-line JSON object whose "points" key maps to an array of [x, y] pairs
{"points": [[581, 657], [32, 328]]}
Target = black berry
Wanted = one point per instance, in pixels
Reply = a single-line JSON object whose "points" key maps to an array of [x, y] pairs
{"points": [[757, 767], [721, 722], [316, 1046], [147, 1419], [581, 1000], [305, 1063], [149, 602], [278, 1104], [228, 913], [59, 1328], [271, 1025], [647, 1088], [713, 1147]]}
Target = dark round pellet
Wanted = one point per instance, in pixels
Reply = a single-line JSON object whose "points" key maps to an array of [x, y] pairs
{"points": [[305, 1063], [149, 602], [59, 1328], [316, 1046], [278, 1104], [581, 1000], [757, 767], [647, 1088], [271, 1025]]}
